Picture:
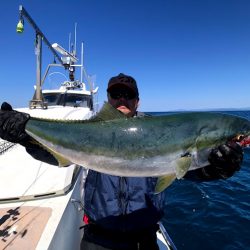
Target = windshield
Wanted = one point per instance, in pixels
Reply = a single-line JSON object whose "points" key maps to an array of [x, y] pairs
{"points": [[76, 100], [52, 98], [68, 99]]}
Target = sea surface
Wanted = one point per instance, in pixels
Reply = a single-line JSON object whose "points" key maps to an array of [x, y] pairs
{"points": [[211, 215]]}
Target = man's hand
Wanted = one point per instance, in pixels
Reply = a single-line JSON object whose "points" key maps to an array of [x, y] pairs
{"points": [[225, 160], [12, 124]]}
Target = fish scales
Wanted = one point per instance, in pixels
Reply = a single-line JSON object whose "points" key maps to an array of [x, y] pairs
{"points": [[139, 146]]}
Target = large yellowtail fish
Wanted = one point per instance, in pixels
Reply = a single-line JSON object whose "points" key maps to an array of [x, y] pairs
{"points": [[166, 146]]}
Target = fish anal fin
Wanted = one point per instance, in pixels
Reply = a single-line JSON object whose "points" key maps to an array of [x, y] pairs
{"points": [[163, 182], [62, 161]]}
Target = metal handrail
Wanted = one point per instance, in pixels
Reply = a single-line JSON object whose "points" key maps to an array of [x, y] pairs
{"points": [[166, 237], [5, 145]]}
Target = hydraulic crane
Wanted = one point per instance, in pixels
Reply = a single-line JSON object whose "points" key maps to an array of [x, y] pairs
{"points": [[37, 100]]}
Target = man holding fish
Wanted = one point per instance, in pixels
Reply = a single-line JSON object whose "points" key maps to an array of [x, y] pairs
{"points": [[122, 211]]}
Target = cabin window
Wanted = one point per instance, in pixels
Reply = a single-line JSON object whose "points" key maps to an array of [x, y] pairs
{"points": [[51, 98], [76, 100], [68, 99]]}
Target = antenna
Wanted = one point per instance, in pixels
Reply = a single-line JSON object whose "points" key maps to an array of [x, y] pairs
{"points": [[75, 40], [69, 41]]}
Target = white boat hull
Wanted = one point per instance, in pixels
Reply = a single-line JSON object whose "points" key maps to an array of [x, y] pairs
{"points": [[40, 204]]}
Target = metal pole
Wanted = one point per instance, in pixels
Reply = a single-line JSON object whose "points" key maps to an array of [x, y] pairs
{"points": [[74, 53], [82, 63], [38, 66]]}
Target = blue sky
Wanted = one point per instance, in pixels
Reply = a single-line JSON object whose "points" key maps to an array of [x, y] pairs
{"points": [[184, 54]]}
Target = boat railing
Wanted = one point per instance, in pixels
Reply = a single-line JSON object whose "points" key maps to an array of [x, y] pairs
{"points": [[170, 243], [5, 145]]}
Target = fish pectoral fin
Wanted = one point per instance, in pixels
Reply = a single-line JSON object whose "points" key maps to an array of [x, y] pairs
{"points": [[108, 112], [163, 182], [182, 165]]}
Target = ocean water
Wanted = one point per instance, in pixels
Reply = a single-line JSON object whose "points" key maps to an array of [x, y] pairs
{"points": [[211, 215]]}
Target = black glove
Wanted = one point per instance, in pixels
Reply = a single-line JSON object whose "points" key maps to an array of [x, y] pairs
{"points": [[12, 124], [225, 160]]}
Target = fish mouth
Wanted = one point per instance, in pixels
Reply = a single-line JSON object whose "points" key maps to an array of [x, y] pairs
{"points": [[245, 142], [242, 139]]}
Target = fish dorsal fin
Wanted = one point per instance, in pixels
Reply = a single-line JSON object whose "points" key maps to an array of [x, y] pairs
{"points": [[108, 112]]}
